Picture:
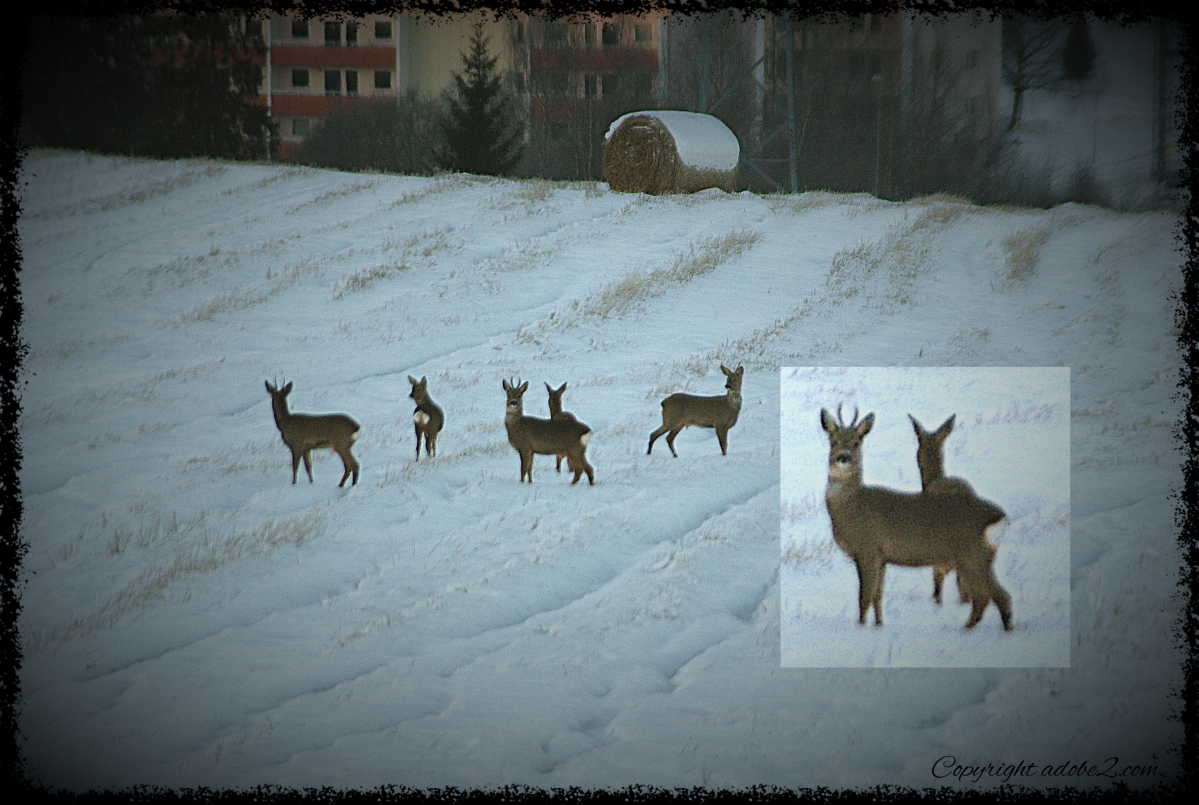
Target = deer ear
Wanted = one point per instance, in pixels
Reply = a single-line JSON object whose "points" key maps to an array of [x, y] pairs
{"points": [[269, 388], [287, 388], [946, 427], [412, 380], [915, 425], [865, 425], [741, 369], [524, 387], [826, 420], [424, 378], [506, 386], [548, 387]]}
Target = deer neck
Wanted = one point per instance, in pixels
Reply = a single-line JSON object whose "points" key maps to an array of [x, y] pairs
{"points": [[282, 415], [842, 484]]}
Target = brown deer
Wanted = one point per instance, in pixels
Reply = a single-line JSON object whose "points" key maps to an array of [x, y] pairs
{"points": [[303, 433], [680, 410], [428, 417], [877, 526], [930, 458], [556, 412], [547, 437]]}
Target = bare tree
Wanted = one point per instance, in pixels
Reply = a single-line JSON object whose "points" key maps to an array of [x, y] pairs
{"points": [[1032, 58]]}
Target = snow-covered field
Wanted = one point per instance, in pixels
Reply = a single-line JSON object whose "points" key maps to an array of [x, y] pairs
{"points": [[192, 618]]}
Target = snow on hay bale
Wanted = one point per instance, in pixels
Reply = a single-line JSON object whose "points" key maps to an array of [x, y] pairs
{"points": [[669, 152]]}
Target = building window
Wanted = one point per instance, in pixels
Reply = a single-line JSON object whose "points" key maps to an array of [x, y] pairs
{"points": [[352, 82], [589, 36], [332, 82], [351, 33], [299, 29], [299, 78], [254, 29], [332, 33], [611, 35], [382, 79], [555, 34], [382, 31], [642, 33], [559, 86], [299, 127]]}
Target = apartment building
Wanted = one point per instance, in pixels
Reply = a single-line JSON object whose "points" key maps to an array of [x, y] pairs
{"points": [[313, 67], [571, 79]]}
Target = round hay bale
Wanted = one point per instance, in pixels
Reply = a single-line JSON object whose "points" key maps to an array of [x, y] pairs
{"points": [[640, 157], [661, 152]]}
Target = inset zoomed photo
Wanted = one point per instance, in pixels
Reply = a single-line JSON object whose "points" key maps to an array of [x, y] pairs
{"points": [[925, 517]]}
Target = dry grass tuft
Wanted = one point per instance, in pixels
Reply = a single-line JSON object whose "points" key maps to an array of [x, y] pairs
{"points": [[216, 551], [619, 297], [1023, 252]]}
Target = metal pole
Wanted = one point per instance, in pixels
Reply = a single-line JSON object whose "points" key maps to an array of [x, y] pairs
{"points": [[266, 24], [792, 157], [877, 80]]}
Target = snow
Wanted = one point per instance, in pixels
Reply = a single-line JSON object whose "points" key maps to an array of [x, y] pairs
{"points": [[191, 618], [703, 142]]}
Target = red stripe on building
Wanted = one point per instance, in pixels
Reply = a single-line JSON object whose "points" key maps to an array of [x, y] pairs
{"points": [[592, 60], [318, 56]]}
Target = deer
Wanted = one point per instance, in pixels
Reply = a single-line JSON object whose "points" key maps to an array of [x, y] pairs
{"points": [[428, 417], [547, 437], [681, 410], [556, 412], [876, 526], [303, 433], [930, 458]]}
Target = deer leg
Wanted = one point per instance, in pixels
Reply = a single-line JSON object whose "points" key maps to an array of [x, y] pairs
{"points": [[939, 582], [878, 594], [308, 463], [558, 466], [431, 445], [867, 584], [295, 465], [654, 437], [417, 428], [578, 464], [670, 440], [722, 434], [964, 595]]}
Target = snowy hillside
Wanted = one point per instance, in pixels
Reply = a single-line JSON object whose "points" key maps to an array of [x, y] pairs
{"points": [[192, 618]]}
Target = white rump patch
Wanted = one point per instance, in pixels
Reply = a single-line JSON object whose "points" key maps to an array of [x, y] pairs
{"points": [[994, 533], [586, 437], [420, 418]]}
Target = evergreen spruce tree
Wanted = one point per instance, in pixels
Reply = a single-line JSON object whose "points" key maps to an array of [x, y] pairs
{"points": [[481, 135]]}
